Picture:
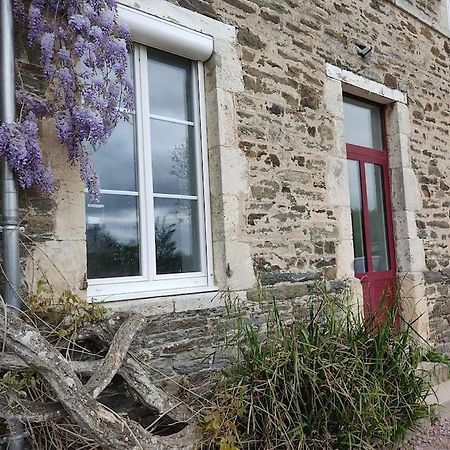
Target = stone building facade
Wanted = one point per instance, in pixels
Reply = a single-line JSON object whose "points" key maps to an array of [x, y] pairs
{"points": [[279, 213]]}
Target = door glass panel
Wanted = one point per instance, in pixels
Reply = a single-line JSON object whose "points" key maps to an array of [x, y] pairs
{"points": [[112, 232], [173, 158], [362, 124], [360, 264], [116, 161], [377, 217], [170, 81], [176, 236]]}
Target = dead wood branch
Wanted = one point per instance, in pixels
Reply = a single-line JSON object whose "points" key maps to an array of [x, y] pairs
{"points": [[137, 377], [116, 354], [9, 361], [13, 408], [107, 428]]}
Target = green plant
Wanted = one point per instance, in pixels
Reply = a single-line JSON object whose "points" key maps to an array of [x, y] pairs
{"points": [[330, 381], [66, 313], [20, 381], [432, 355]]}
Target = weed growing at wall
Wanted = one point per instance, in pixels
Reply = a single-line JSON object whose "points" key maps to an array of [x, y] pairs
{"points": [[328, 381], [64, 314]]}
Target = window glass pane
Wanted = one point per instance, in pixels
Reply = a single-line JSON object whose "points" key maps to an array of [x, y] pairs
{"points": [[377, 217], [176, 236], [112, 232], [116, 161], [360, 265], [362, 124], [170, 81], [173, 158]]}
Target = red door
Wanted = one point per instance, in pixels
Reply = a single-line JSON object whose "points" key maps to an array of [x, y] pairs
{"points": [[370, 202]]}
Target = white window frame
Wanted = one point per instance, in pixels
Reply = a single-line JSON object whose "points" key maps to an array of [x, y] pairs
{"points": [[149, 284]]}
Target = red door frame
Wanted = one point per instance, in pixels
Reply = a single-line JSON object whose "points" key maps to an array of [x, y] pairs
{"points": [[375, 284]]}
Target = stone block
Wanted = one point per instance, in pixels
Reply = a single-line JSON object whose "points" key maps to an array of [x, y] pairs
{"points": [[398, 146], [405, 190], [337, 182], [435, 373], [411, 256]]}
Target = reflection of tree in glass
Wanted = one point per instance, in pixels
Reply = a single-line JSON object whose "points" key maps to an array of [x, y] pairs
{"points": [[108, 257], [168, 258], [379, 240], [180, 162], [358, 240]]}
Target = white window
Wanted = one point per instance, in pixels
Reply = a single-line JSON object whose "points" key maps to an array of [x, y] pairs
{"points": [[150, 233]]}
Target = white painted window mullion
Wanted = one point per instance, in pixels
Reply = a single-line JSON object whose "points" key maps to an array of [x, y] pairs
{"points": [[142, 172], [119, 192], [171, 120], [176, 196], [199, 167], [146, 158], [204, 174]]}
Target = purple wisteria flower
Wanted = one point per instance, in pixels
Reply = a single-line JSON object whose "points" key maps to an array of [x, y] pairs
{"points": [[84, 56]]}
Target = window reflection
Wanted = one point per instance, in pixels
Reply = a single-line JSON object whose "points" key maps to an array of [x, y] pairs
{"points": [[360, 265], [170, 79], [176, 236], [112, 234], [362, 124], [173, 153], [116, 161], [377, 217]]}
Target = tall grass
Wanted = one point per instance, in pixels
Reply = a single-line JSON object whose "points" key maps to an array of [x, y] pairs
{"points": [[330, 381]]}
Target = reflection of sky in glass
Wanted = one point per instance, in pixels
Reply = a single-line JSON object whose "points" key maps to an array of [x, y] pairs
{"points": [[113, 236], [356, 211], [182, 214], [362, 124], [115, 162], [117, 216], [170, 85], [375, 204], [173, 158]]}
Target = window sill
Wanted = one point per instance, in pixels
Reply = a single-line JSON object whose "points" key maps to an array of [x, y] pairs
{"points": [[151, 294], [174, 302]]}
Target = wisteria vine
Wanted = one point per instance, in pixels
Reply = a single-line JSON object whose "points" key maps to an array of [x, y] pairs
{"points": [[83, 54]]}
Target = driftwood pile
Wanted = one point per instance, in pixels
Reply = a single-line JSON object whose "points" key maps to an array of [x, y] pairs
{"points": [[27, 348]]}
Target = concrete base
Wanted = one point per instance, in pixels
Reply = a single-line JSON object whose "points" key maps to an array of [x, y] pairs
{"points": [[441, 395]]}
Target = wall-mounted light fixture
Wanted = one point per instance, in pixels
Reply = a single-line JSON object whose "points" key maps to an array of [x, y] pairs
{"points": [[364, 49]]}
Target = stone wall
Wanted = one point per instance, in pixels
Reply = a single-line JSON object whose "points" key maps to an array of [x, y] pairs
{"points": [[286, 132], [289, 218], [431, 8]]}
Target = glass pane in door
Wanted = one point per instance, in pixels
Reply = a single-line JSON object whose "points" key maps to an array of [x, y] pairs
{"points": [[360, 264], [377, 217], [362, 124]]}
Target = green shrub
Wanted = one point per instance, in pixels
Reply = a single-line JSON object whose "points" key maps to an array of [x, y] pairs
{"points": [[330, 381]]}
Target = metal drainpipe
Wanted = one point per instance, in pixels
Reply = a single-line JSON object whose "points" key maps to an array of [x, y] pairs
{"points": [[9, 190]]}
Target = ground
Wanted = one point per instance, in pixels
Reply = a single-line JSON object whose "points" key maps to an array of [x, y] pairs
{"points": [[435, 435]]}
